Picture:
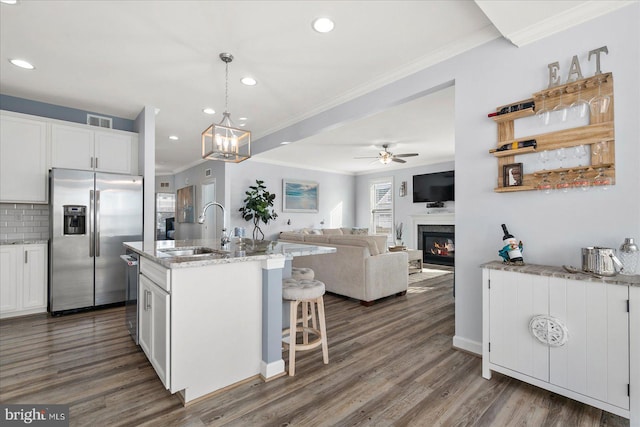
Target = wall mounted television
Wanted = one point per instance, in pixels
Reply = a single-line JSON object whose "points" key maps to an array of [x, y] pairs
{"points": [[434, 187]]}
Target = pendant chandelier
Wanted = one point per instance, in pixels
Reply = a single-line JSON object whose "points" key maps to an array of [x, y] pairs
{"points": [[223, 141]]}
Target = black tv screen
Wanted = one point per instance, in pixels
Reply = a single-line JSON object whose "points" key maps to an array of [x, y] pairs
{"points": [[433, 187]]}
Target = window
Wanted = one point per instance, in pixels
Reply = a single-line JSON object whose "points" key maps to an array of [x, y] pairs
{"points": [[382, 208]]}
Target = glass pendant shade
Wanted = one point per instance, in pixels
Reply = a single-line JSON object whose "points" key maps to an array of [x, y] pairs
{"points": [[224, 142]]}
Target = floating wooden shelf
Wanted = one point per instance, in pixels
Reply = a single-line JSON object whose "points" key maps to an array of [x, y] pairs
{"points": [[600, 130]]}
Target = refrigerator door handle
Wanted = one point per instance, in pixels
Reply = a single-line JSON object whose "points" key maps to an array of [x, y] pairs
{"points": [[91, 218], [97, 223]]}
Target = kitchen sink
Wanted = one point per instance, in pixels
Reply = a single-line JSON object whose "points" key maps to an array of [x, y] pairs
{"points": [[194, 252]]}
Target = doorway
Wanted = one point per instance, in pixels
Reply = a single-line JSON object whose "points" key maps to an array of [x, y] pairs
{"points": [[210, 223]]}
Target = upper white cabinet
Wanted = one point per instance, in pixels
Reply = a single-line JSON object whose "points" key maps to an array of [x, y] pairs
{"points": [[23, 159], [568, 336], [23, 279], [82, 147]]}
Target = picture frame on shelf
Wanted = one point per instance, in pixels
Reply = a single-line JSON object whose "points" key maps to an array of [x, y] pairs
{"points": [[300, 196], [512, 175]]}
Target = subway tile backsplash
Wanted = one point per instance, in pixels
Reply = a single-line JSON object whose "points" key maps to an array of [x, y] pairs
{"points": [[24, 221]]}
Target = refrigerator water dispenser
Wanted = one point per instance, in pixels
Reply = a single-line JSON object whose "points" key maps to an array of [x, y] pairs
{"points": [[74, 219]]}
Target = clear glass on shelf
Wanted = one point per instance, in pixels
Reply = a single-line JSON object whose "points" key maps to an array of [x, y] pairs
{"points": [[602, 180], [545, 185], [561, 111], [561, 155], [580, 107], [580, 153], [600, 103], [543, 114], [544, 158], [562, 184], [581, 182]]}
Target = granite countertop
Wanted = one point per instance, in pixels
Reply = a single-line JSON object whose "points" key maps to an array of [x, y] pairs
{"points": [[553, 271], [24, 242], [239, 250]]}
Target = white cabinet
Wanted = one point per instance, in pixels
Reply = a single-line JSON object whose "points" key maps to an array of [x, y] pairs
{"points": [[592, 366], [154, 304], [82, 147], [23, 279], [23, 159]]}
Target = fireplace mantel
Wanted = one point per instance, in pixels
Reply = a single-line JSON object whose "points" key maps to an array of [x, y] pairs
{"points": [[444, 218]]}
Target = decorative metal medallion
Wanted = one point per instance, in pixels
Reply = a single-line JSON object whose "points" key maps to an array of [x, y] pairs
{"points": [[549, 330]]}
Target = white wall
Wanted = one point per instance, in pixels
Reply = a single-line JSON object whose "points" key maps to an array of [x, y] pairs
{"points": [[336, 193]]}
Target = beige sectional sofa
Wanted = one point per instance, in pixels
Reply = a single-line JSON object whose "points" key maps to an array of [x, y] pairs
{"points": [[361, 268]]}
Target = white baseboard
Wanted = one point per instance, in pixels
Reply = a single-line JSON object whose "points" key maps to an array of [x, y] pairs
{"points": [[272, 369], [467, 345]]}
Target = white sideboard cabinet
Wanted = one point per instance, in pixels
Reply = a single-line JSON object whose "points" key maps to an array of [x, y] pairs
{"points": [[23, 279], [23, 159], [83, 147], [570, 334]]}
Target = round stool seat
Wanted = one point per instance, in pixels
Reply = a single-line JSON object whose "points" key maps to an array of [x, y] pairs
{"points": [[302, 273], [301, 290]]}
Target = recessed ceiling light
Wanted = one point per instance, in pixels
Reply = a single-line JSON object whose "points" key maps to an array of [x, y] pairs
{"points": [[22, 64], [173, 138], [285, 143], [249, 81], [208, 111], [242, 118], [9, 1], [323, 25]]}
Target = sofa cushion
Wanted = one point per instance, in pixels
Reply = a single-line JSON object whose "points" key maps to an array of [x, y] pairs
{"points": [[316, 238], [292, 236], [350, 240], [332, 231]]}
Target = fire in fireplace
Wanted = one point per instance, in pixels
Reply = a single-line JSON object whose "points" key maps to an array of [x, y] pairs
{"points": [[437, 243]]}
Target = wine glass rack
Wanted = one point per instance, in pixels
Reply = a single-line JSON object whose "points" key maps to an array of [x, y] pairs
{"points": [[600, 130]]}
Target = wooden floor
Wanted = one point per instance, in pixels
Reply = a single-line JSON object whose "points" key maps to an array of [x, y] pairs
{"points": [[390, 364]]}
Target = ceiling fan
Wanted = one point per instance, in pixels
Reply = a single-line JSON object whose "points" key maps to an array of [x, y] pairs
{"points": [[385, 157]]}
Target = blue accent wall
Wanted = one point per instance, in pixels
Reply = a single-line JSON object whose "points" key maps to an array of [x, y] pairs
{"points": [[42, 109]]}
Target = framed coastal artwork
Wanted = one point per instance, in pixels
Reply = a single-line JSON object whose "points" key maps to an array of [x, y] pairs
{"points": [[300, 196]]}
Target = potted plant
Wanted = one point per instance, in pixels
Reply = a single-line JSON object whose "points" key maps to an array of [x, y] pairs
{"points": [[398, 228], [258, 206]]}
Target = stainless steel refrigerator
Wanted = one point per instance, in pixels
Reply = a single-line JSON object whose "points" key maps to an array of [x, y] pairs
{"points": [[91, 215]]}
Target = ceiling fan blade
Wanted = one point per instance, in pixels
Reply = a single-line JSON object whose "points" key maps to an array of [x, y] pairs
{"points": [[406, 155], [395, 159], [368, 157]]}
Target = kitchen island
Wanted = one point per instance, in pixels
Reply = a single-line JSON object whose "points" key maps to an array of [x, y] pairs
{"points": [[211, 316]]}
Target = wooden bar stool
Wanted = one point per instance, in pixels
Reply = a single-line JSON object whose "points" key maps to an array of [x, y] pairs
{"points": [[304, 273], [311, 292]]}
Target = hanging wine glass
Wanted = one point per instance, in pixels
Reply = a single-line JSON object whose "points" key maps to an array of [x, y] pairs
{"points": [[545, 185], [543, 114], [580, 107], [544, 158], [581, 182], [561, 110], [600, 149], [601, 180], [561, 154], [580, 152], [600, 103], [562, 184]]}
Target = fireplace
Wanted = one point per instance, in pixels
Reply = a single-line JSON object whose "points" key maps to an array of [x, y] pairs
{"points": [[437, 243]]}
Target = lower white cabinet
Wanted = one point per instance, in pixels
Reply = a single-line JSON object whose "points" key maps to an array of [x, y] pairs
{"points": [[23, 279], [154, 305], [568, 336]]}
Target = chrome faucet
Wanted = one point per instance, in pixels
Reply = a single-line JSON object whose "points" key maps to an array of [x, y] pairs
{"points": [[224, 240]]}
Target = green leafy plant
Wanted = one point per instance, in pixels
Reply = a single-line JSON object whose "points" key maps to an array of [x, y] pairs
{"points": [[258, 207]]}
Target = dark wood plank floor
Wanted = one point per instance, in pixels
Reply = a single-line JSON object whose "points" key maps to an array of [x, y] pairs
{"points": [[390, 364]]}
